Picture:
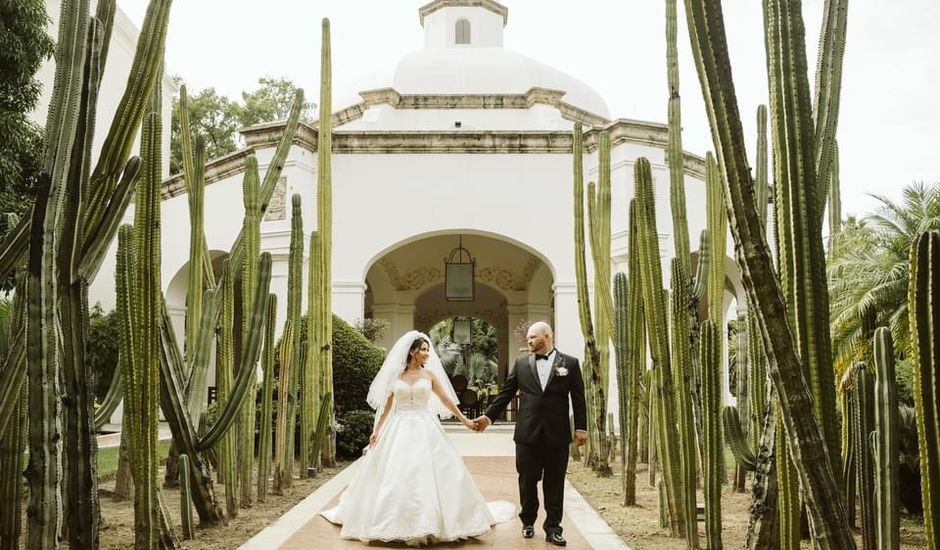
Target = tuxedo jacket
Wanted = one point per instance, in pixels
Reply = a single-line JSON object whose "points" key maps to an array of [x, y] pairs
{"points": [[543, 415]]}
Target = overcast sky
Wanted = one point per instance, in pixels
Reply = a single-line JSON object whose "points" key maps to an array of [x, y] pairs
{"points": [[889, 126]]}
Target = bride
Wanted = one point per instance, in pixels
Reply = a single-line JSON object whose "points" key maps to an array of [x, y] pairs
{"points": [[412, 485]]}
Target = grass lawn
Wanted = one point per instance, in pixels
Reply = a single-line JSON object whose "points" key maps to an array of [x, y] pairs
{"points": [[108, 459]]}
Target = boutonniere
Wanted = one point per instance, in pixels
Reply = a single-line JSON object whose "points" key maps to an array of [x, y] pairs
{"points": [[561, 371]]}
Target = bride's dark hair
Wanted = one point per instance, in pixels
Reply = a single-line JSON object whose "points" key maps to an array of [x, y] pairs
{"points": [[416, 345]]}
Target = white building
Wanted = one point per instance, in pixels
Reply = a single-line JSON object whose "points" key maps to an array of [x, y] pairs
{"points": [[466, 140]]}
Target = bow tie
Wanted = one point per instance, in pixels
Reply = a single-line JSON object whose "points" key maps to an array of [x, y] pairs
{"points": [[539, 357]]}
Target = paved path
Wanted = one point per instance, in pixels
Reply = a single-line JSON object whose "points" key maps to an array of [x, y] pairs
{"points": [[489, 456]]}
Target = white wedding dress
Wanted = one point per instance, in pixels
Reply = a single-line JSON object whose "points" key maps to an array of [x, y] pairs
{"points": [[413, 485]]}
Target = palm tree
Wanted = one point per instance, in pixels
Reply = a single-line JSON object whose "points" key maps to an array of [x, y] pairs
{"points": [[868, 272]]}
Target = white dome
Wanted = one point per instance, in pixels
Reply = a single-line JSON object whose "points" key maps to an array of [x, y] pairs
{"points": [[480, 70]]}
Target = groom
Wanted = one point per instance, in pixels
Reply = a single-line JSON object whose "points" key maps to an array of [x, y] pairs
{"points": [[545, 380]]}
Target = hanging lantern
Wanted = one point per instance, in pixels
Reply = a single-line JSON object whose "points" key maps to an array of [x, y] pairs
{"points": [[459, 272]]}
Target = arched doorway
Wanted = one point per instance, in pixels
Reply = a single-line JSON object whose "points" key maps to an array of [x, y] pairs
{"points": [[406, 288]]}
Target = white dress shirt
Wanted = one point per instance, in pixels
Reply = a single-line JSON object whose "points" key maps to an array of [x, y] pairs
{"points": [[544, 368]]}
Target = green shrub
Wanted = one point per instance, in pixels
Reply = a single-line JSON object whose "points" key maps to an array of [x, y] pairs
{"points": [[354, 430], [101, 353], [355, 363]]}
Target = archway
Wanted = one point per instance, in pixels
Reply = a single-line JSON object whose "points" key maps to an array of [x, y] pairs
{"points": [[512, 283]]}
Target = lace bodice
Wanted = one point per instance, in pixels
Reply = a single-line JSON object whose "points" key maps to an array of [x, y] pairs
{"points": [[412, 397]]}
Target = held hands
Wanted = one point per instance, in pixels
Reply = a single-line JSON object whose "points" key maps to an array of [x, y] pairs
{"points": [[480, 423], [580, 437]]}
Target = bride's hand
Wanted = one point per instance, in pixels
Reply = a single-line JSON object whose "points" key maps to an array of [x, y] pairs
{"points": [[373, 438], [469, 424]]}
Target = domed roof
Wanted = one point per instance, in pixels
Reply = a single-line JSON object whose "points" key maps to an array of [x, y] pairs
{"points": [[492, 70]]}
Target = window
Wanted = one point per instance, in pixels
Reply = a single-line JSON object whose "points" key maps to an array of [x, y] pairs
{"points": [[462, 32]]}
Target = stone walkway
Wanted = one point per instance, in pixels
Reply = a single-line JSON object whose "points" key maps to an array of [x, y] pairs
{"points": [[489, 456]]}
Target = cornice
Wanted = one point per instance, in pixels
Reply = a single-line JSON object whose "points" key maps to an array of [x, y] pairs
{"points": [[494, 7]]}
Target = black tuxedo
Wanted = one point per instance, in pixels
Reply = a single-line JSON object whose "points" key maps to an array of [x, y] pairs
{"points": [[543, 432]]}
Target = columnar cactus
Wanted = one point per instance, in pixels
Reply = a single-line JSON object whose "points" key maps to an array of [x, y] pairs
{"points": [[283, 431], [887, 525], [224, 366], [656, 325], [736, 438], [596, 398], [786, 350], [324, 262], [864, 424], [267, 400], [13, 436], [251, 230], [314, 375], [924, 308], [186, 507], [682, 362], [710, 353], [295, 269]]}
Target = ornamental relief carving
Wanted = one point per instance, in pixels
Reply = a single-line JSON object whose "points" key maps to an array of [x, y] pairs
{"points": [[499, 277]]}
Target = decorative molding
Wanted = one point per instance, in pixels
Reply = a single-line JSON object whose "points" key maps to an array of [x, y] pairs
{"points": [[413, 280], [528, 272], [219, 169], [277, 206], [498, 318], [494, 7]]}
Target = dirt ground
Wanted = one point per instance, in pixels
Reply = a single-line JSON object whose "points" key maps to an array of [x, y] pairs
{"points": [[117, 516], [639, 526]]}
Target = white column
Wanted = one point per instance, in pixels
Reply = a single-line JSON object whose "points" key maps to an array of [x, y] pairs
{"points": [[400, 319], [568, 336], [349, 298]]}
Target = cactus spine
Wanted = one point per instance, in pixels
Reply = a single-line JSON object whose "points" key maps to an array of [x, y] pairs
{"points": [[710, 353], [267, 400], [784, 348], [924, 311], [886, 450]]}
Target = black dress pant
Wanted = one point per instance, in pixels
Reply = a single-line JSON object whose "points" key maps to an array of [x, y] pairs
{"points": [[546, 463]]}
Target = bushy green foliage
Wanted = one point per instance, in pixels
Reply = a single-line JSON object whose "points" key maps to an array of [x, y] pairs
{"points": [[355, 363], [101, 353], [355, 427]]}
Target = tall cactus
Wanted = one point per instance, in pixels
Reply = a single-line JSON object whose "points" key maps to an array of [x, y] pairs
{"points": [[283, 431], [784, 348], [887, 524], [656, 325], [864, 424], [710, 352], [267, 401], [186, 507], [924, 311], [251, 229], [597, 398], [294, 297], [314, 375], [682, 362], [13, 436], [324, 260], [224, 373]]}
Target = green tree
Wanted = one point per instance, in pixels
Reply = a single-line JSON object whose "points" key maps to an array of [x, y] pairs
{"points": [[218, 118], [271, 102], [869, 270], [24, 45], [212, 116]]}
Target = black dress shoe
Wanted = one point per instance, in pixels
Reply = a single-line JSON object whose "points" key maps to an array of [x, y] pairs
{"points": [[556, 539], [528, 531]]}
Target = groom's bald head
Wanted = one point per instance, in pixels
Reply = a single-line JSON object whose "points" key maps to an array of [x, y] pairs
{"points": [[540, 337]]}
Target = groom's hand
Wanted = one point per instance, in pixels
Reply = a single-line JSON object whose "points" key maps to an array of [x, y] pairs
{"points": [[580, 437], [481, 422]]}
